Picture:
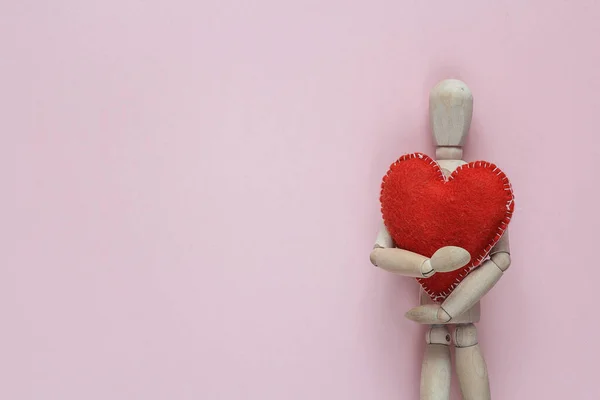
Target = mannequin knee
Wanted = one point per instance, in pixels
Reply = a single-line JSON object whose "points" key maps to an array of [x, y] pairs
{"points": [[465, 335], [438, 335]]}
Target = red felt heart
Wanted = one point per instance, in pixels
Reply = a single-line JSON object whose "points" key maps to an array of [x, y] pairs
{"points": [[423, 211]]}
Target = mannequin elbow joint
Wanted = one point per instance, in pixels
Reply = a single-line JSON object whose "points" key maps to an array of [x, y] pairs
{"points": [[502, 260]]}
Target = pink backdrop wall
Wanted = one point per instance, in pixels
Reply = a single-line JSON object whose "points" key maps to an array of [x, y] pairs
{"points": [[190, 194]]}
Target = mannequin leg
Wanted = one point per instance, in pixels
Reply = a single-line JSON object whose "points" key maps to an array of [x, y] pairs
{"points": [[436, 368], [470, 364]]}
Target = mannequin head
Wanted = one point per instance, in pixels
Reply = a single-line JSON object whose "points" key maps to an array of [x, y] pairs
{"points": [[450, 113]]}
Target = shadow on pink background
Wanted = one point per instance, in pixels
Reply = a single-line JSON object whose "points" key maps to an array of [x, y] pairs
{"points": [[190, 194]]}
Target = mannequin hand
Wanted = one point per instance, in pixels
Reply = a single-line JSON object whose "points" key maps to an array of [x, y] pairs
{"points": [[431, 314], [449, 258]]}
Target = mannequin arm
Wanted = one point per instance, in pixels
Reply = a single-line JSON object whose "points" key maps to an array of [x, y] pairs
{"points": [[470, 290], [386, 256]]}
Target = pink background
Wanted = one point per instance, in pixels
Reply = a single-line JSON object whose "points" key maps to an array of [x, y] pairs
{"points": [[190, 194]]}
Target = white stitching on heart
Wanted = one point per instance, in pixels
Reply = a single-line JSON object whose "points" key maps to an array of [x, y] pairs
{"points": [[501, 228]]}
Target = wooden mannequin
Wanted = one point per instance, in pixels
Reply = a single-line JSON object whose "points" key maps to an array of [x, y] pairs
{"points": [[450, 109]]}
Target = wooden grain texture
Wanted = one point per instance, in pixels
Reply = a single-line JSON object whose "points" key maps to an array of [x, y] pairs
{"points": [[472, 288], [399, 261], [450, 112], [436, 367], [471, 367], [449, 258]]}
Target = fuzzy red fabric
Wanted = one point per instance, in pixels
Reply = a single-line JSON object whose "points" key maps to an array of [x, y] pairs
{"points": [[424, 211]]}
